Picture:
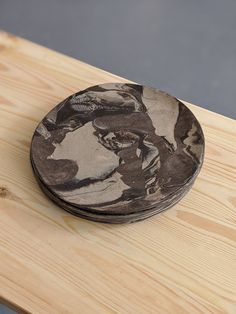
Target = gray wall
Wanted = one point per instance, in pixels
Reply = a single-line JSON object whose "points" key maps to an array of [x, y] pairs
{"points": [[5, 310], [186, 47]]}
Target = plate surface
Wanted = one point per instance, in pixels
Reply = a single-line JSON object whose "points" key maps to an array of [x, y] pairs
{"points": [[117, 152]]}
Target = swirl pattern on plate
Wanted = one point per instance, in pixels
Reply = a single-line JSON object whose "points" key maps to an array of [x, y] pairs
{"points": [[117, 152]]}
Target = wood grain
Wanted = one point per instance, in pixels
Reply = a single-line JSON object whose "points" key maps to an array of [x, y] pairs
{"points": [[181, 261]]}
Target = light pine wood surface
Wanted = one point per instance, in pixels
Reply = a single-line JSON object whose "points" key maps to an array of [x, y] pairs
{"points": [[181, 261]]}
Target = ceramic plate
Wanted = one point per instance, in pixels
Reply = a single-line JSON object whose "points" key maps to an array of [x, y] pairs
{"points": [[117, 152]]}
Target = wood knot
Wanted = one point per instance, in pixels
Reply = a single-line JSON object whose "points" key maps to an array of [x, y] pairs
{"points": [[4, 192]]}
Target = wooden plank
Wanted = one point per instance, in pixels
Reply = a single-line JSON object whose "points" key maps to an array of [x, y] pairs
{"points": [[181, 261]]}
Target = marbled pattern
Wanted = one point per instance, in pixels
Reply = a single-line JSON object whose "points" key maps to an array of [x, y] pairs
{"points": [[117, 152]]}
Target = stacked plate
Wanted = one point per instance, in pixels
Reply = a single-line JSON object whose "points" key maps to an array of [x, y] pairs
{"points": [[117, 153]]}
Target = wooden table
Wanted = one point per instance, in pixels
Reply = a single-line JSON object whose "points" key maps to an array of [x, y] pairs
{"points": [[181, 261]]}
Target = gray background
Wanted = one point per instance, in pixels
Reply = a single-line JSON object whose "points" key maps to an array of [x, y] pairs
{"points": [[5, 310], [185, 47]]}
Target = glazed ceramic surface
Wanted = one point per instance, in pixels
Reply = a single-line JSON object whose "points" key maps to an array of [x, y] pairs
{"points": [[117, 152]]}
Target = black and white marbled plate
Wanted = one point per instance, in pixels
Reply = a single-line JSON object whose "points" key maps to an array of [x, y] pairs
{"points": [[117, 152]]}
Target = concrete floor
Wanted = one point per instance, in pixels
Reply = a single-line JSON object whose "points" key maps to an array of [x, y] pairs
{"points": [[185, 47]]}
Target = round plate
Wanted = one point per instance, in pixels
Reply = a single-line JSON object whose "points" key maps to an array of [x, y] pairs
{"points": [[117, 152]]}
